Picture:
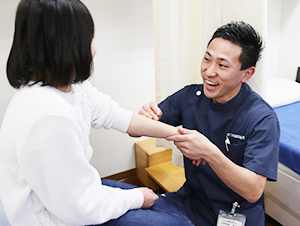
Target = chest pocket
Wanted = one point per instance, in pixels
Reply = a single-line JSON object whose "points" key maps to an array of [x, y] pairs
{"points": [[235, 151]]}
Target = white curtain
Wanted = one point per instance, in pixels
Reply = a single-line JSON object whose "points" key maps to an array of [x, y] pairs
{"points": [[182, 29], [178, 39]]}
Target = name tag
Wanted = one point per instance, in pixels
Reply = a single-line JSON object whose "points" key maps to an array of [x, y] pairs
{"points": [[229, 219]]}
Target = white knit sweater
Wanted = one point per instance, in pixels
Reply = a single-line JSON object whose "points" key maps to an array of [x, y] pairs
{"points": [[45, 174]]}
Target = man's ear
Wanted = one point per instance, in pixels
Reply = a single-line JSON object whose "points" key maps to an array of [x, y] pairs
{"points": [[248, 73]]}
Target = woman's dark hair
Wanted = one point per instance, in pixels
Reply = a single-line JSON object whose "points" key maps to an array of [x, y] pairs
{"points": [[52, 43], [243, 35]]}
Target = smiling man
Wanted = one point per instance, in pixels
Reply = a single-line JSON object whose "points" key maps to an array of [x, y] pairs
{"points": [[228, 127], [222, 72]]}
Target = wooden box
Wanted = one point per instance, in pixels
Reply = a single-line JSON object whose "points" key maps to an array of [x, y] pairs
{"points": [[148, 154]]}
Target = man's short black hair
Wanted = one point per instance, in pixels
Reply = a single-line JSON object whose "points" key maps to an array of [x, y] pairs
{"points": [[243, 35], [52, 43]]}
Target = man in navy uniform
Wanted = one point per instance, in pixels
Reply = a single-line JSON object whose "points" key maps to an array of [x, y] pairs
{"points": [[227, 127]]}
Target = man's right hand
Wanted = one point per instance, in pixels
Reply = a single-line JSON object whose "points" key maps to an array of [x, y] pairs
{"points": [[149, 197], [151, 110]]}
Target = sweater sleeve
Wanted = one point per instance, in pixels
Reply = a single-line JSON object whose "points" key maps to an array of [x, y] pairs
{"points": [[53, 163], [106, 112]]}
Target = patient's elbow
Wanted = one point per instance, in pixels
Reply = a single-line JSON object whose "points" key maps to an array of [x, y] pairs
{"points": [[134, 136]]}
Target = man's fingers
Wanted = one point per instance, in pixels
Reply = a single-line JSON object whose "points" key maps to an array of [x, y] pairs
{"points": [[145, 113], [194, 161], [181, 137], [148, 114], [151, 111], [176, 138], [154, 107], [197, 162], [184, 131]]}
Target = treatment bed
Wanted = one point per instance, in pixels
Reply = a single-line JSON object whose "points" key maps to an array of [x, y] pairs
{"points": [[282, 198]]}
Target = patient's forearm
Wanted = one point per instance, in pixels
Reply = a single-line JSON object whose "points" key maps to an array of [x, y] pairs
{"points": [[142, 126]]}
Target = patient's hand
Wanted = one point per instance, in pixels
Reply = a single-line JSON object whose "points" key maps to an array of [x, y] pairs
{"points": [[149, 197], [151, 110]]}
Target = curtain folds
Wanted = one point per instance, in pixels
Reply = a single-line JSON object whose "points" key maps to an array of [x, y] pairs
{"points": [[177, 35], [182, 29]]}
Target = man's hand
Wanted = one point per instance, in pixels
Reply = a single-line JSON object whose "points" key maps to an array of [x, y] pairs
{"points": [[149, 197], [151, 110], [193, 145], [196, 146]]}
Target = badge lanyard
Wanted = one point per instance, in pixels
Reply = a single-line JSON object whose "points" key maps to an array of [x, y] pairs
{"points": [[232, 218]]}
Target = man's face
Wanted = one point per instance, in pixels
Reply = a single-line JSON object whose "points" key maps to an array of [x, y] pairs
{"points": [[220, 70]]}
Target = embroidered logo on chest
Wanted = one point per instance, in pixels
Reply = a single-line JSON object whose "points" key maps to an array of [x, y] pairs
{"points": [[235, 136]]}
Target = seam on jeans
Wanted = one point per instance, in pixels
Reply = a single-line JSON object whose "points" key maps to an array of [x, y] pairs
{"points": [[183, 214]]}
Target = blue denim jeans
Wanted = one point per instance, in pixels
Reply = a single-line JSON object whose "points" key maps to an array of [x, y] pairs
{"points": [[164, 212]]}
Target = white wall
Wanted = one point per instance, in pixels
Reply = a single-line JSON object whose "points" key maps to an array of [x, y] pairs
{"points": [[289, 51], [7, 17], [273, 42], [283, 41], [123, 68]]}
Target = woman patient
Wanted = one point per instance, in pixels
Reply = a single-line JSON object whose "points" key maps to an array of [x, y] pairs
{"points": [[45, 174]]}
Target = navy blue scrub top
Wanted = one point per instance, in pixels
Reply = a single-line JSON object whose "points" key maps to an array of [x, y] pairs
{"points": [[252, 129]]}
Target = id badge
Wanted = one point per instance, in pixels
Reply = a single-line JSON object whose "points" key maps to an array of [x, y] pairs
{"points": [[228, 219], [232, 218]]}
